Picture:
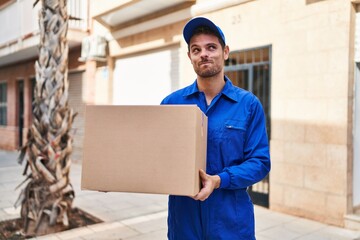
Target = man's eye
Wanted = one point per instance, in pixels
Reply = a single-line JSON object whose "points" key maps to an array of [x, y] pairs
{"points": [[195, 50], [212, 47]]}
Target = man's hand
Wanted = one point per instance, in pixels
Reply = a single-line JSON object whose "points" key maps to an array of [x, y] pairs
{"points": [[209, 183]]}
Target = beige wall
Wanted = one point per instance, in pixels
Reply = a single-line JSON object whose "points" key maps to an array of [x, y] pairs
{"points": [[311, 83], [309, 98]]}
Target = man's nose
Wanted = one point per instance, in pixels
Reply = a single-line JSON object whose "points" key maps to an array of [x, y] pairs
{"points": [[204, 54]]}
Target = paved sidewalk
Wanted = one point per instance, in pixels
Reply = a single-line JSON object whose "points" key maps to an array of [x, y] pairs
{"points": [[132, 216]]}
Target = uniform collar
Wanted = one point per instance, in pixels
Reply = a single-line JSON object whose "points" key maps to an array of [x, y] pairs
{"points": [[192, 89], [228, 90]]}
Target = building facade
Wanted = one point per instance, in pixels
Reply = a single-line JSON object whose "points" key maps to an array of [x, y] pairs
{"points": [[19, 38], [300, 57]]}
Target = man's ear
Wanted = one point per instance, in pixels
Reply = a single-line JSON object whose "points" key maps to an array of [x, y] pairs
{"points": [[189, 56], [226, 52]]}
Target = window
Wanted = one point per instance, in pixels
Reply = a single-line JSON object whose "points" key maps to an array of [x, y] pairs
{"points": [[251, 70], [3, 103]]}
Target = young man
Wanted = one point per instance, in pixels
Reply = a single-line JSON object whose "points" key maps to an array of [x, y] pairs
{"points": [[237, 148]]}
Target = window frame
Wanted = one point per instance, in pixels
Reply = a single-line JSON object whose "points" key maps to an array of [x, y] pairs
{"points": [[3, 103]]}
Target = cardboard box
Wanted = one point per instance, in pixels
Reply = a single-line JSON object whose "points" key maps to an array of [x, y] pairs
{"points": [[145, 149]]}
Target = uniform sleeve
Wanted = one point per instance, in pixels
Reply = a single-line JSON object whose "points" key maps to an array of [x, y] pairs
{"points": [[164, 101], [256, 164]]}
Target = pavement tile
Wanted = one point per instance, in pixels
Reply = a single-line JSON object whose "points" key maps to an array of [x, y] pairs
{"points": [[5, 203], [3, 215], [325, 236], [7, 177], [148, 223], [100, 227], [303, 226], [150, 226], [279, 232], [158, 235], [10, 196], [8, 159], [74, 233], [104, 204], [262, 238], [136, 216], [47, 237], [99, 206], [102, 215], [259, 211], [269, 220], [146, 218], [332, 232], [12, 211], [126, 213], [121, 232]]}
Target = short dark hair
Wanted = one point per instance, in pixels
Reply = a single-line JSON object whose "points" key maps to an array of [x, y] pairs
{"points": [[207, 30]]}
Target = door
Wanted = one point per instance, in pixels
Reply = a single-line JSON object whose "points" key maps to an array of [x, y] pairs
{"points": [[250, 70], [356, 118], [356, 131], [76, 102], [20, 88]]}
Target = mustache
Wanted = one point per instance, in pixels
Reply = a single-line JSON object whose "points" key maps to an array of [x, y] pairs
{"points": [[205, 61]]}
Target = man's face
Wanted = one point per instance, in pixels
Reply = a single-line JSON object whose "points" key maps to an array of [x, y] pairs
{"points": [[206, 55]]}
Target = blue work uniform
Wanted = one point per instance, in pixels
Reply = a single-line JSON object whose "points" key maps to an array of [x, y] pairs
{"points": [[237, 151]]}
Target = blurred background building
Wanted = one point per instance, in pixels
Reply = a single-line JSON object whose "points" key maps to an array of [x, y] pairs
{"points": [[300, 57]]}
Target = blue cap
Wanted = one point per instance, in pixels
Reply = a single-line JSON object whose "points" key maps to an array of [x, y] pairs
{"points": [[196, 22]]}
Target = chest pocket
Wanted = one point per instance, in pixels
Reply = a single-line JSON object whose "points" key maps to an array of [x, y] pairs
{"points": [[235, 124], [232, 142]]}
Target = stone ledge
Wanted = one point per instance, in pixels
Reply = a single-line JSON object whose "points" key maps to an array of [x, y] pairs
{"points": [[352, 221]]}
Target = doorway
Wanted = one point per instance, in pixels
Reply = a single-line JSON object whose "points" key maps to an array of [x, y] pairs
{"points": [[356, 134], [251, 70], [20, 89]]}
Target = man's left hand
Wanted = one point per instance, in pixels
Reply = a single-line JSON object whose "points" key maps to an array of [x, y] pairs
{"points": [[209, 183]]}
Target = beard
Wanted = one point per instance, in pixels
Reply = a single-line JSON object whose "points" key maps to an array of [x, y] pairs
{"points": [[206, 72]]}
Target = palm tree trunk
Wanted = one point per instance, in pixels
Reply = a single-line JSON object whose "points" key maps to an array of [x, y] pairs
{"points": [[47, 197]]}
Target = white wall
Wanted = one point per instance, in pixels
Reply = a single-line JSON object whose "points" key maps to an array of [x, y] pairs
{"points": [[21, 18], [16, 20], [145, 79]]}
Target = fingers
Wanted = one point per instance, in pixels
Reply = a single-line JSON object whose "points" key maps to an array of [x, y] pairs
{"points": [[209, 184], [205, 191], [203, 174], [202, 195]]}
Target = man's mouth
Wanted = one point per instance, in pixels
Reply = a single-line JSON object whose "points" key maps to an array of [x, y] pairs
{"points": [[206, 62]]}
